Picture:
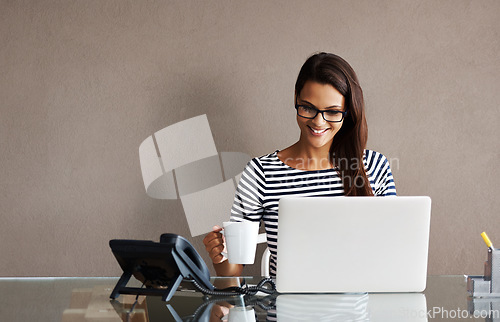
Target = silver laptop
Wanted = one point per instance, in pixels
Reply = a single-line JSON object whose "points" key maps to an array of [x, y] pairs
{"points": [[353, 244]]}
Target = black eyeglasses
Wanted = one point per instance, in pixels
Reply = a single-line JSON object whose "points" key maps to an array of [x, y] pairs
{"points": [[310, 112]]}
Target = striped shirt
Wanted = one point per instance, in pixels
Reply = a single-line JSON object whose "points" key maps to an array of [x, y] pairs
{"points": [[266, 179]]}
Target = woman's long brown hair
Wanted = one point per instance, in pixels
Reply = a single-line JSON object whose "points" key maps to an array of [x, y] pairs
{"points": [[349, 143]]}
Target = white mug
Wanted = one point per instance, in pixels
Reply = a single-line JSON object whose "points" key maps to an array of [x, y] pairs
{"points": [[241, 241]]}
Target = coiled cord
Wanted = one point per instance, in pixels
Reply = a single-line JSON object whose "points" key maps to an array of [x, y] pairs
{"points": [[266, 303], [245, 289]]}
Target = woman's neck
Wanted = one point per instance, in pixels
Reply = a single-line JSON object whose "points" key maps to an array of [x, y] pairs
{"points": [[304, 157]]}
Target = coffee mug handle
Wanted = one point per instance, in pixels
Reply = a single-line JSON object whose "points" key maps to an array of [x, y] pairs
{"points": [[224, 254]]}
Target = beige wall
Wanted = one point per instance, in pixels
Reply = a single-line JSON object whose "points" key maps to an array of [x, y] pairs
{"points": [[83, 83]]}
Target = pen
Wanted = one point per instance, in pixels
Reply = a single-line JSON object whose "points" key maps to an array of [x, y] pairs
{"points": [[487, 240]]}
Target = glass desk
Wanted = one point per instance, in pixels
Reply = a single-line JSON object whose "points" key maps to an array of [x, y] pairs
{"points": [[87, 299]]}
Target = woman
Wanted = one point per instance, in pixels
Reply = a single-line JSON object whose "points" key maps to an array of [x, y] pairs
{"points": [[329, 159]]}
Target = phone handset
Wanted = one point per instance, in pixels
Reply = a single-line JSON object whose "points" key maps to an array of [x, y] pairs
{"points": [[185, 252]]}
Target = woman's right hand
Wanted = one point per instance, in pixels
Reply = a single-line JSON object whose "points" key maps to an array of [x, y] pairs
{"points": [[214, 244]]}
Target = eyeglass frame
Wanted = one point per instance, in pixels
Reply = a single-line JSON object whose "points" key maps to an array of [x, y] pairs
{"points": [[318, 111]]}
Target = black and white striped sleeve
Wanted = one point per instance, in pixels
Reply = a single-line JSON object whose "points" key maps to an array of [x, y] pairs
{"points": [[248, 199], [384, 182]]}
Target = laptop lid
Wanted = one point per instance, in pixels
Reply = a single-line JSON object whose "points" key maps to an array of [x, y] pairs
{"points": [[352, 244]]}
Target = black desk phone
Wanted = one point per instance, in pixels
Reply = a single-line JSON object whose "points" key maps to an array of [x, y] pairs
{"points": [[162, 266]]}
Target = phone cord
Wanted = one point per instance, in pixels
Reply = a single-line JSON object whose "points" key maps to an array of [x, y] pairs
{"points": [[245, 289]]}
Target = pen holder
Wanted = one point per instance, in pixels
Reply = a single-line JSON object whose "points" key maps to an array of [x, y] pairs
{"points": [[489, 284]]}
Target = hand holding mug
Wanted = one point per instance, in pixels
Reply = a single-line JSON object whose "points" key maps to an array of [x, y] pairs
{"points": [[214, 243]]}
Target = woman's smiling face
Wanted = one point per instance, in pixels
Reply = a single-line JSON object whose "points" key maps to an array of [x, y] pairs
{"points": [[317, 132]]}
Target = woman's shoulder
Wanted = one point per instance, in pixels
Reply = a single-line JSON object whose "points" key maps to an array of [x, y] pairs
{"points": [[264, 161], [266, 158], [373, 158], [378, 169], [377, 164]]}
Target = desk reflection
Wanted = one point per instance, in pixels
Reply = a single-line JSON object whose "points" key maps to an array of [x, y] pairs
{"points": [[189, 305], [352, 307], [487, 308], [79, 299], [313, 307]]}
